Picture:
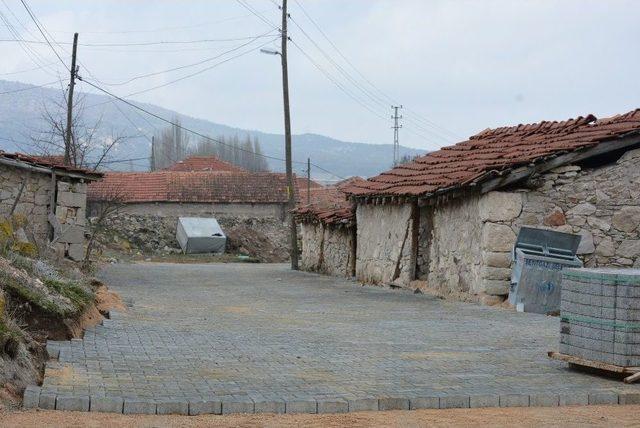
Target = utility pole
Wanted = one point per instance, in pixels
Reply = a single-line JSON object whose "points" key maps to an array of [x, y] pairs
{"points": [[72, 83], [308, 181], [396, 134], [152, 161], [287, 139]]}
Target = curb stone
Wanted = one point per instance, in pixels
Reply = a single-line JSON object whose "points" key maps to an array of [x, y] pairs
{"points": [[106, 404], [363, 404], [271, 406], [31, 397], [333, 406], [132, 407], [455, 402], [393, 403], [514, 400], [477, 401], [172, 408], [301, 406], [203, 407], [424, 403]]}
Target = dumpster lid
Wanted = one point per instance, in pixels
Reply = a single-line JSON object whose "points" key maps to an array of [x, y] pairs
{"points": [[547, 242], [198, 227]]}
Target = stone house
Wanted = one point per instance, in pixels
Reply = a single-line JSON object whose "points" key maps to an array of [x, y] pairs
{"points": [[51, 196], [448, 221], [327, 232]]}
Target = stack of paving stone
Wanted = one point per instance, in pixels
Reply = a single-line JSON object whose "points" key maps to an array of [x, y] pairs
{"points": [[600, 315]]}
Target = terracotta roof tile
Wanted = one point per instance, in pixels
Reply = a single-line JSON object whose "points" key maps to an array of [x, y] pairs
{"points": [[204, 163], [196, 186], [498, 150], [55, 162], [329, 205]]}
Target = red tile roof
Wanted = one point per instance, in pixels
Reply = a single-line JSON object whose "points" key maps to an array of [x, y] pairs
{"points": [[197, 186], [329, 205], [52, 162], [204, 163], [493, 151]]}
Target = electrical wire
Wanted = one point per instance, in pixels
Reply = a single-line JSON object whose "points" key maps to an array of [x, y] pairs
{"points": [[30, 87], [206, 137], [187, 65], [35, 21], [386, 98]]}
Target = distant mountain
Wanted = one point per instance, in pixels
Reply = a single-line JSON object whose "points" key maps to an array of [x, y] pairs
{"points": [[22, 106]]}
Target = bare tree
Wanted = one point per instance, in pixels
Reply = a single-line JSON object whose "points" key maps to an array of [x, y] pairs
{"points": [[111, 201], [89, 147]]}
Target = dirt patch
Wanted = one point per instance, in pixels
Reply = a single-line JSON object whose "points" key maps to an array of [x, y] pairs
{"points": [[592, 416], [107, 300]]}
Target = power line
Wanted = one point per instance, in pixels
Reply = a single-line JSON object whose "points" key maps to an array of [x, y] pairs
{"points": [[179, 126], [30, 87], [160, 42], [163, 29], [198, 72], [26, 70], [387, 98], [257, 14], [187, 65], [32, 54], [35, 21], [336, 83]]}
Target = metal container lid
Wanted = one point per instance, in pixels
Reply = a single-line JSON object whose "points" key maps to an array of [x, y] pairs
{"points": [[547, 242]]}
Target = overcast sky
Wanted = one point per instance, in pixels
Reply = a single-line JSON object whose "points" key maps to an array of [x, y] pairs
{"points": [[461, 65]]}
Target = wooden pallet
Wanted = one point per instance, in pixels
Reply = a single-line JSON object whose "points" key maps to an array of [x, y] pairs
{"points": [[633, 372]]}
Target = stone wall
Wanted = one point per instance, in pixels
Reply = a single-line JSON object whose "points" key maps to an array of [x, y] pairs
{"points": [[266, 238], [326, 249], [34, 199], [448, 246], [384, 250], [602, 204], [465, 245], [174, 209], [71, 205]]}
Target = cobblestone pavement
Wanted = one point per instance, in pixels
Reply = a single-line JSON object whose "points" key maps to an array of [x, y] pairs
{"points": [[260, 338]]}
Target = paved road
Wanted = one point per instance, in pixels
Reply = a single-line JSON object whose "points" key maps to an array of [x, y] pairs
{"points": [[245, 337]]}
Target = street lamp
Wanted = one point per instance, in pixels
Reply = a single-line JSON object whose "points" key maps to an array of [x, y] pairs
{"points": [[269, 52]]}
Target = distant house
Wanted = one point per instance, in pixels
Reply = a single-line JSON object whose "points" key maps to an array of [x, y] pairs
{"points": [[52, 198], [449, 219], [250, 207]]}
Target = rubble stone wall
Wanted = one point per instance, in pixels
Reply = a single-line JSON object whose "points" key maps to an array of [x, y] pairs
{"points": [[71, 213], [448, 246], [384, 248], [602, 204], [465, 245], [34, 200], [326, 249], [152, 230], [173, 209]]}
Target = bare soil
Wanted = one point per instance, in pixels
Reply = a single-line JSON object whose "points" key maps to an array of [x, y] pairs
{"points": [[579, 416]]}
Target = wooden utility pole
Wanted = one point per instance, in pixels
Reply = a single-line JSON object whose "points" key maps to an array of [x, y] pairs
{"points": [[308, 181], [72, 83], [287, 140]]}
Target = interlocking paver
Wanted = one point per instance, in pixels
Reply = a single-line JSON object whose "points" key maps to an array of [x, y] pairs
{"points": [[263, 338]]}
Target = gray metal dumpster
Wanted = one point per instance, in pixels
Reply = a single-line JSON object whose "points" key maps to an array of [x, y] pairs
{"points": [[540, 255], [200, 235]]}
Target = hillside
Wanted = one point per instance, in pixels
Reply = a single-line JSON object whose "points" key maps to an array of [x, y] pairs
{"points": [[22, 107]]}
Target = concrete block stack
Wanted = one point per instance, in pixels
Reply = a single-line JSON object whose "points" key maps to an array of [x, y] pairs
{"points": [[600, 315]]}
